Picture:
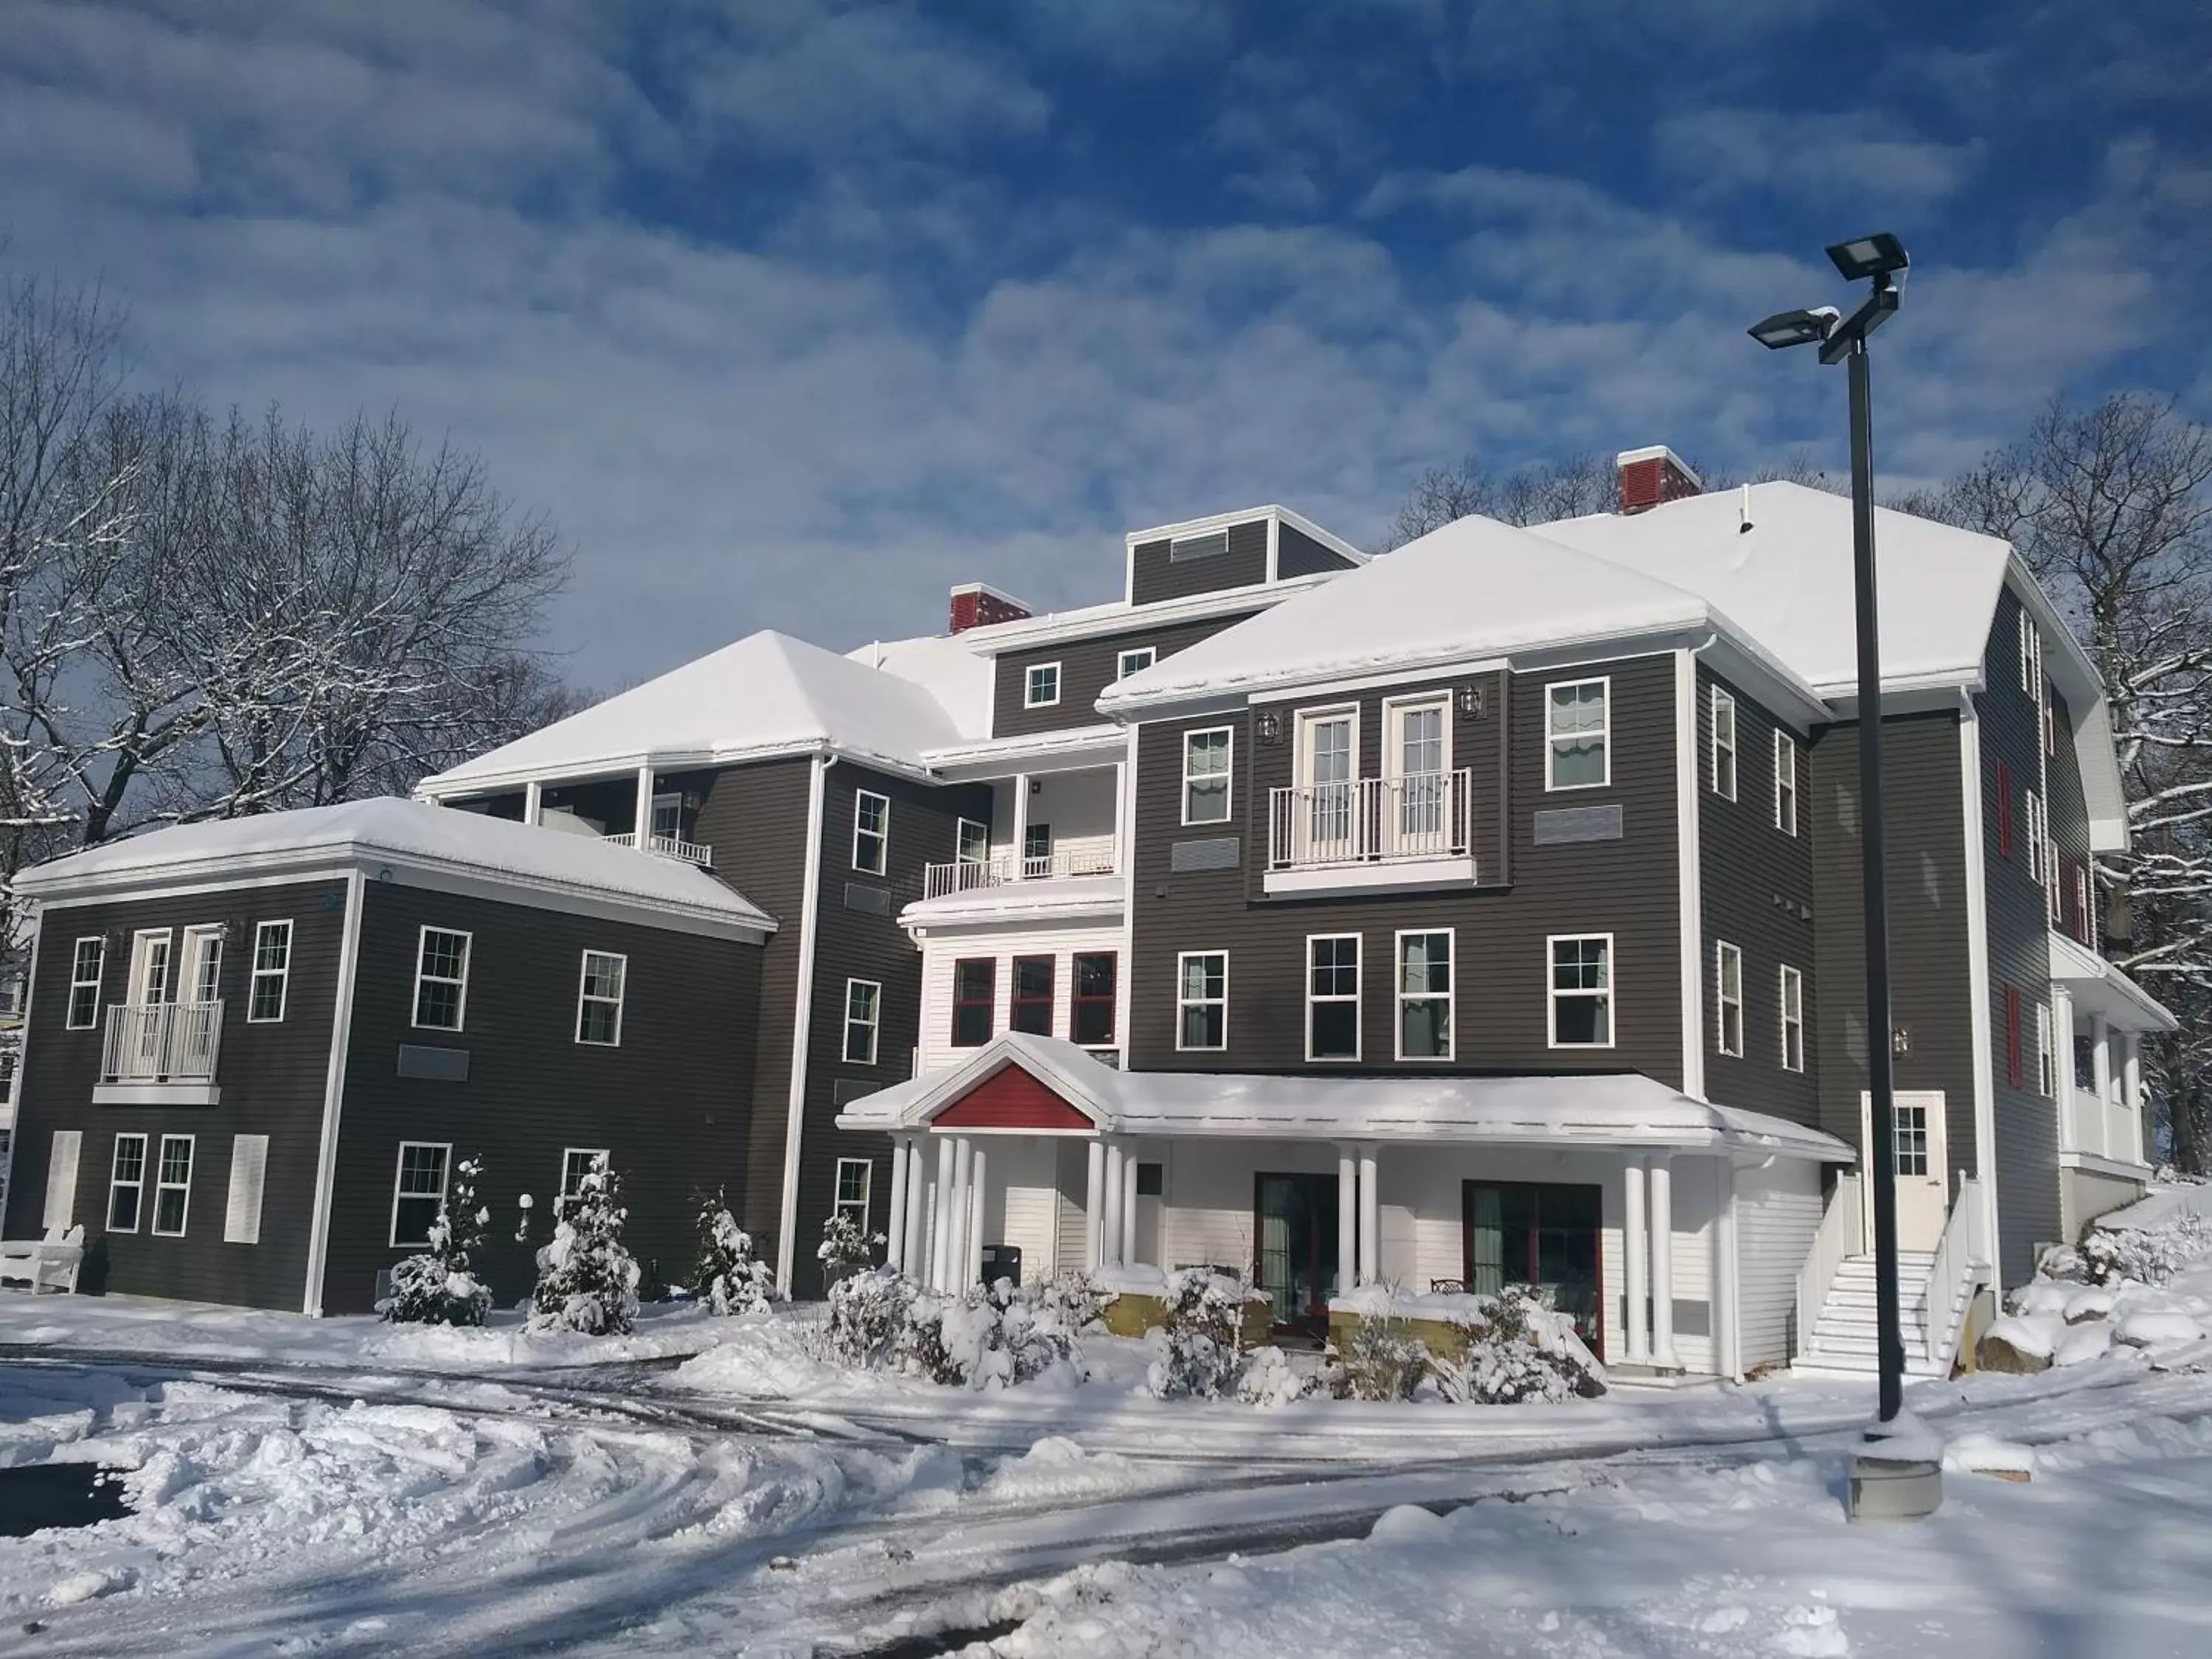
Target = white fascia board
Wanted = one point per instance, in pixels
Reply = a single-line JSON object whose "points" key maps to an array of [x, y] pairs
{"points": [[448, 787], [2079, 969], [1761, 677], [2104, 792], [1168, 532], [1328, 539], [925, 920], [1094, 622], [1411, 875], [1905, 694], [1445, 670], [1075, 749]]}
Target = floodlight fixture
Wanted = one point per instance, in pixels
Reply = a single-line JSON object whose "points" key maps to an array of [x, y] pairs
{"points": [[1794, 328], [1879, 255]]}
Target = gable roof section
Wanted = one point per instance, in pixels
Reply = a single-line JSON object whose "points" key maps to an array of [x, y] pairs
{"points": [[535, 865], [768, 694], [1473, 589]]}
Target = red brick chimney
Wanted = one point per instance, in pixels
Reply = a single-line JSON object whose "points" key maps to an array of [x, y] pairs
{"points": [[1652, 477], [977, 605]]}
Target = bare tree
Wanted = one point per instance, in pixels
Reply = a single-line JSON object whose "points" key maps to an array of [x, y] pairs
{"points": [[1536, 493]]}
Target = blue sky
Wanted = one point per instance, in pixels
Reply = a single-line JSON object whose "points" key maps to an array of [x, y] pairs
{"points": [[792, 314]]}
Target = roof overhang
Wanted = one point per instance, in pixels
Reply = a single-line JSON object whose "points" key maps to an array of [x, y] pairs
{"points": [[1077, 899], [1075, 749], [2098, 986], [916, 1103], [461, 784]]}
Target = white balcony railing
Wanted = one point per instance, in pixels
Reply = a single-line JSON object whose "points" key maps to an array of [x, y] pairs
{"points": [[1092, 856], [1423, 815], [162, 1042], [1841, 1236], [668, 847]]}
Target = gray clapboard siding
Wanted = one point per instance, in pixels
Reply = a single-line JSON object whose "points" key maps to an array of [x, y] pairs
{"points": [[1086, 668], [1156, 576]]}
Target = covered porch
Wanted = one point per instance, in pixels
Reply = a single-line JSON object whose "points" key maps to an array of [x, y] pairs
{"points": [[1671, 1229]]}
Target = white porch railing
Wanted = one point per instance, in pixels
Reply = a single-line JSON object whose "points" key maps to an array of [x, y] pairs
{"points": [[162, 1042], [1841, 1236], [1423, 815], [1962, 1262], [1089, 857], [668, 847]]}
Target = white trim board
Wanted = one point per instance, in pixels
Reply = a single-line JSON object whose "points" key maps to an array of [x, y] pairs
{"points": [[318, 1230], [802, 1019]]}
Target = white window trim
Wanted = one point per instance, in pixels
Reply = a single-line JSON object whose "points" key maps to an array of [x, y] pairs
{"points": [[882, 837], [398, 1165], [583, 997], [135, 993], [1029, 698], [1193, 541], [1605, 732], [193, 947], [1359, 989], [183, 1217], [1399, 996], [839, 1204], [1151, 653], [1394, 745], [562, 1191], [1228, 775], [2046, 1058], [1788, 977], [139, 1217], [414, 1001], [960, 834], [874, 1027], [1720, 700], [2034, 813], [666, 798], [70, 1020], [1722, 952], [1301, 747], [1553, 994], [1182, 958], [1785, 765], [255, 973]]}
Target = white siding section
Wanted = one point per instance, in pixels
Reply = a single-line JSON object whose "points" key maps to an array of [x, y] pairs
{"points": [[1697, 1183], [1079, 806], [1073, 1185], [1023, 1209], [1061, 943], [61, 1179], [1778, 1212], [249, 1164]]}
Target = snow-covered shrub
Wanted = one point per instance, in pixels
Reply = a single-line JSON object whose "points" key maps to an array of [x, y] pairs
{"points": [[1072, 1300], [726, 1277], [1265, 1379], [586, 1280], [1382, 1359], [985, 1339], [1518, 1347], [1195, 1353], [439, 1287], [867, 1317], [2111, 1255], [846, 1247]]}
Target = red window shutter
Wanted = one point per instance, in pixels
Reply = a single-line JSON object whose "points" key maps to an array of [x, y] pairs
{"points": [[2004, 810], [2012, 1035]]}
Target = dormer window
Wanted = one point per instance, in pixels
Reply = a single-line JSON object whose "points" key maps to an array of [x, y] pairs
{"points": [[1184, 548], [1041, 685], [1135, 660]]}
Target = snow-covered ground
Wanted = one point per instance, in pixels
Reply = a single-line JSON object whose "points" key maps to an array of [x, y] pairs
{"points": [[714, 1485]]}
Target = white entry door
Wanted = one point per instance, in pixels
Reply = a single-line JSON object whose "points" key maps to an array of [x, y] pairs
{"points": [[1328, 761], [1418, 821], [1923, 1158]]}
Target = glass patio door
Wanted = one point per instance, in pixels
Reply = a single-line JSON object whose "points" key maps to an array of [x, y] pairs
{"points": [[1297, 1257], [1541, 1235], [1330, 762], [1420, 815]]}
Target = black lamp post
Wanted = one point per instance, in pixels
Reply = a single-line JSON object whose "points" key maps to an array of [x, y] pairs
{"points": [[1881, 258]]}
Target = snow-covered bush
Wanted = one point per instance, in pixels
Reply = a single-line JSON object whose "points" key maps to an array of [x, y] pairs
{"points": [[439, 1287], [977, 1339], [867, 1317], [1518, 1347], [726, 1277], [1265, 1379], [1382, 1359], [2110, 1256], [1195, 1353], [1073, 1299], [846, 1247], [586, 1280]]}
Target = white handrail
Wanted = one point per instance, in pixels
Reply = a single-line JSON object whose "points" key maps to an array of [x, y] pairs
{"points": [[1961, 1259], [1421, 815], [1092, 856], [162, 1042], [1841, 1236], [668, 847]]}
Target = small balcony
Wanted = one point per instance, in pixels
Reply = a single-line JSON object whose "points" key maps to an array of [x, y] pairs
{"points": [[1091, 856], [668, 847], [1416, 830], [160, 1053]]}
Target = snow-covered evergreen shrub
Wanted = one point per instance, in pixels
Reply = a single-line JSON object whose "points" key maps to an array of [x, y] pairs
{"points": [[845, 1247], [1195, 1353], [1072, 1300], [1265, 1379], [1382, 1359], [2148, 1257], [439, 1287], [1519, 1347], [587, 1281], [867, 1317], [726, 1277]]}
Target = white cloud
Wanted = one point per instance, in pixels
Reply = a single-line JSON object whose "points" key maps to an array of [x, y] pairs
{"points": [[1845, 159]]}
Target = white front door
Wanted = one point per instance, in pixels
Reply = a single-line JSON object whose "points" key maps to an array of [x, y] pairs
{"points": [[1328, 761], [150, 967], [1418, 762], [1923, 1159]]}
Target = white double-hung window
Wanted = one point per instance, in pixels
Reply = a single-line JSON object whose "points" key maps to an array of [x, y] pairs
{"points": [[1202, 999], [1727, 983], [1785, 783], [599, 998], [1581, 990], [1424, 995], [272, 972], [871, 831], [1793, 1020], [1578, 735], [1206, 758], [1723, 745], [442, 978], [1333, 996], [1041, 685]]}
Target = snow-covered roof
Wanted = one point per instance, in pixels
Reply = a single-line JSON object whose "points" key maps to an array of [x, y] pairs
{"points": [[536, 863], [767, 695], [1474, 588], [946, 668], [1605, 1109], [2098, 986]]}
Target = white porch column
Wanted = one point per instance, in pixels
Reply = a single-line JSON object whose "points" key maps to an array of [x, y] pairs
{"points": [[1727, 1302], [1662, 1262], [1021, 822], [644, 825], [1371, 1221], [1112, 1242], [2070, 1133], [917, 1209], [2101, 1070], [1635, 1253], [1130, 1210], [2131, 1093], [1347, 1220], [940, 1232], [978, 1193], [1094, 1206], [533, 800], [958, 1228], [894, 1234]]}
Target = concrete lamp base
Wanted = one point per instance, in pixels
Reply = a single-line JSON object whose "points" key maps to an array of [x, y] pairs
{"points": [[1896, 1473]]}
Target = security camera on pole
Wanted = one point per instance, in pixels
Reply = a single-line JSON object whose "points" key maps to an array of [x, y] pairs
{"points": [[1897, 1472]]}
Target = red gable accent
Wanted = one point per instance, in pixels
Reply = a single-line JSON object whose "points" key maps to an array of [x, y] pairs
{"points": [[1010, 1098]]}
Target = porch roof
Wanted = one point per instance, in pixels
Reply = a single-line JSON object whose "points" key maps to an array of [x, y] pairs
{"points": [[1621, 1109]]}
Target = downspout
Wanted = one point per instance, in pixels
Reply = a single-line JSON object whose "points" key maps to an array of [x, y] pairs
{"points": [[1978, 981], [319, 1234], [1689, 873], [802, 1022]]}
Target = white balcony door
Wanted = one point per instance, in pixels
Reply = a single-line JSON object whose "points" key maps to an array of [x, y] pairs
{"points": [[1923, 1158], [141, 1047], [150, 967], [193, 1043], [203, 980], [1328, 766], [1418, 765]]}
